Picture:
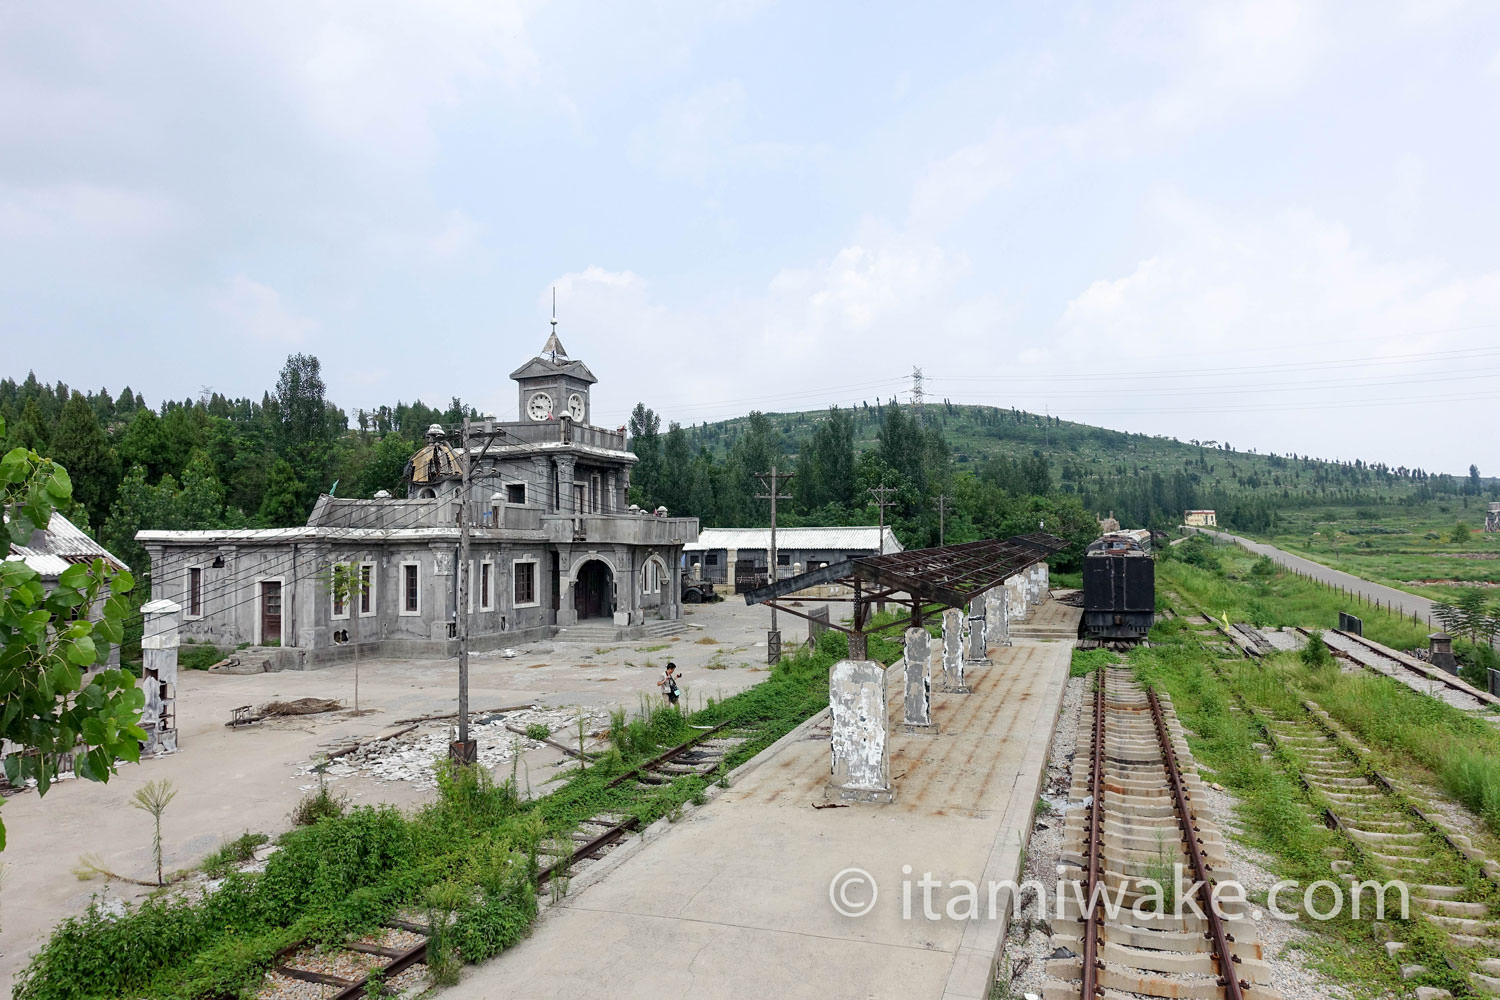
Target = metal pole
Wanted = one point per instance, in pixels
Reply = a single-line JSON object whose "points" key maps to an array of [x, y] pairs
{"points": [[463, 751]]}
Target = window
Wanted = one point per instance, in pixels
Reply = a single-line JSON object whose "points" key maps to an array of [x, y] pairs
{"points": [[711, 559], [485, 594], [411, 593], [366, 589], [515, 492], [525, 584], [783, 558], [195, 592]]}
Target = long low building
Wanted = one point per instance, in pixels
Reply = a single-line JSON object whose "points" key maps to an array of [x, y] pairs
{"points": [[741, 556]]}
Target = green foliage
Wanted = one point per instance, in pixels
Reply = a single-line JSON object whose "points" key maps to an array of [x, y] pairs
{"points": [[1315, 654], [234, 852], [1086, 661], [153, 798], [1459, 534], [321, 804], [537, 731], [198, 655], [1196, 550], [48, 704]]}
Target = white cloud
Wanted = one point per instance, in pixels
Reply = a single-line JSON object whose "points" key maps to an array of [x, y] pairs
{"points": [[257, 311], [1223, 56], [960, 182]]}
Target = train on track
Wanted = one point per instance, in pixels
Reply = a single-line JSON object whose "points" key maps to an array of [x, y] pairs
{"points": [[1119, 587]]}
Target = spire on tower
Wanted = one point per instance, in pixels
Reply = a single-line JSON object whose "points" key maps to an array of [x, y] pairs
{"points": [[554, 349]]}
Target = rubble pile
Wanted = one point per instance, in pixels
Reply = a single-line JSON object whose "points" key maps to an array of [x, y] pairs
{"points": [[410, 757]]}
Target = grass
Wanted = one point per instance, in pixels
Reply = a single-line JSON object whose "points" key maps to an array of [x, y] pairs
{"points": [[198, 655], [232, 854], [1269, 805], [469, 858], [1086, 661]]}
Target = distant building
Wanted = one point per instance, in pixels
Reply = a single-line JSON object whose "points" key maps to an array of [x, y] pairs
{"points": [[721, 555], [1108, 524], [1492, 518], [62, 544], [1200, 518], [552, 544]]}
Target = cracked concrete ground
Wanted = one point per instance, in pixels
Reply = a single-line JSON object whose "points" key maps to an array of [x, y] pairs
{"points": [[230, 781]]}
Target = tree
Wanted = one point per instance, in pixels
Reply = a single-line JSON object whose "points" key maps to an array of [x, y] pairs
{"points": [[645, 441], [153, 797], [300, 401], [282, 506], [79, 444], [47, 640], [1473, 489]]}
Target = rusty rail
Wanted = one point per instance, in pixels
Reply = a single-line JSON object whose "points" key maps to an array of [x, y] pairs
{"points": [[1228, 978], [1094, 836], [663, 758], [1484, 698]]}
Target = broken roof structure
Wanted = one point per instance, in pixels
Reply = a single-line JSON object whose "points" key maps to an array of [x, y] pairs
{"points": [[948, 576], [61, 544]]}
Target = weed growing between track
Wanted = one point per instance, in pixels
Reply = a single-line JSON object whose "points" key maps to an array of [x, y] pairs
{"points": [[470, 858]]}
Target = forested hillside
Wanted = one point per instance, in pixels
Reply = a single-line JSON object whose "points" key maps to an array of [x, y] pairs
{"points": [[956, 472]]}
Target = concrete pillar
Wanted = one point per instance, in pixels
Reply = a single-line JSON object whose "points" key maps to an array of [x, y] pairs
{"points": [[860, 742], [1495, 682], [954, 623], [160, 621], [566, 465], [918, 711], [976, 649], [996, 617]]}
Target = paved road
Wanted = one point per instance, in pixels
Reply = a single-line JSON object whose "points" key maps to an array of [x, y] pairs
{"points": [[1407, 604]]}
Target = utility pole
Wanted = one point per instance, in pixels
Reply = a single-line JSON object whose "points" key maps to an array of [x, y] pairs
{"points": [[465, 750], [772, 482], [942, 502], [880, 493]]}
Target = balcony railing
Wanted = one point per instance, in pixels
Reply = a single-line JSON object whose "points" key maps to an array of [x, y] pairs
{"points": [[629, 529], [563, 432]]}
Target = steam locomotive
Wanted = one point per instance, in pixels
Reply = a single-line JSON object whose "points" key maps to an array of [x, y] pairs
{"points": [[1119, 587]]}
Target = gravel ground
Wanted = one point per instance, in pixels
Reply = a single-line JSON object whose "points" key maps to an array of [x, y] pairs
{"points": [[410, 757], [1028, 943]]}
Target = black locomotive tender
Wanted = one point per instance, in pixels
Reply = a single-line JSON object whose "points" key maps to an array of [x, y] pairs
{"points": [[1119, 587]]}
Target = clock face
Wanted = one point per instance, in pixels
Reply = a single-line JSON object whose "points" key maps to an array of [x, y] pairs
{"points": [[539, 407], [575, 407]]}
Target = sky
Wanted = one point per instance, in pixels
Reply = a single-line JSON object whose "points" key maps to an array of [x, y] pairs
{"points": [[1271, 224]]}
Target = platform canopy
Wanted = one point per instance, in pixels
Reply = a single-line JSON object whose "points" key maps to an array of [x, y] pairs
{"points": [[949, 575]]}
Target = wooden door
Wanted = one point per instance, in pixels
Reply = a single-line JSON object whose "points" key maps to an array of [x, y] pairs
{"points": [[270, 612]]}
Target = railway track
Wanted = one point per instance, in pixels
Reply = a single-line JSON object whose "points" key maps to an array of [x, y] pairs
{"points": [[1135, 824], [1416, 675], [1452, 885], [401, 944]]}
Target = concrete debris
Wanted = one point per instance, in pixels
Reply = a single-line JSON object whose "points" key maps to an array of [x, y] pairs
{"points": [[411, 757]]}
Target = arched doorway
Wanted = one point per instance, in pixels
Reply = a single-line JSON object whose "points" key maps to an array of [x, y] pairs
{"points": [[593, 590]]}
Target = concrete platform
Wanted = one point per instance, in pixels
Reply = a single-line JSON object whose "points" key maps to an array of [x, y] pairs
{"points": [[1050, 620], [734, 900]]}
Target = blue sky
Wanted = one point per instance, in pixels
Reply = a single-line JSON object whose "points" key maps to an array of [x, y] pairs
{"points": [[1269, 223]]}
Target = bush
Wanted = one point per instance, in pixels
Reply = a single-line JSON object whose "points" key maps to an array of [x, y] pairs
{"points": [[198, 656], [234, 852], [1263, 567], [1198, 551], [321, 804], [537, 731], [1315, 654]]}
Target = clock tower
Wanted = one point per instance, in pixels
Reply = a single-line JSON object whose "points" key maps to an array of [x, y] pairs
{"points": [[551, 386]]}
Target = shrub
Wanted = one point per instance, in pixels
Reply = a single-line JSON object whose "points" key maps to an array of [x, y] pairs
{"points": [[1315, 653], [232, 853], [537, 731], [199, 656], [321, 804]]}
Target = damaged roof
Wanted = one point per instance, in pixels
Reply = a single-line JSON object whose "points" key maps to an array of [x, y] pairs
{"points": [[60, 545]]}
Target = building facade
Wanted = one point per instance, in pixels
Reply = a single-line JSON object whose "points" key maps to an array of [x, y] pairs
{"points": [[552, 544], [1200, 518]]}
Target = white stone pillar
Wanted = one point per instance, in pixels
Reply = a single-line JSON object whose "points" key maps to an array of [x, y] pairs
{"points": [[918, 711], [159, 640], [997, 616], [860, 741], [953, 651], [977, 646]]}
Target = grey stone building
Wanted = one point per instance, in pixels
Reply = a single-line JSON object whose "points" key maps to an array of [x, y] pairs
{"points": [[553, 544]]}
